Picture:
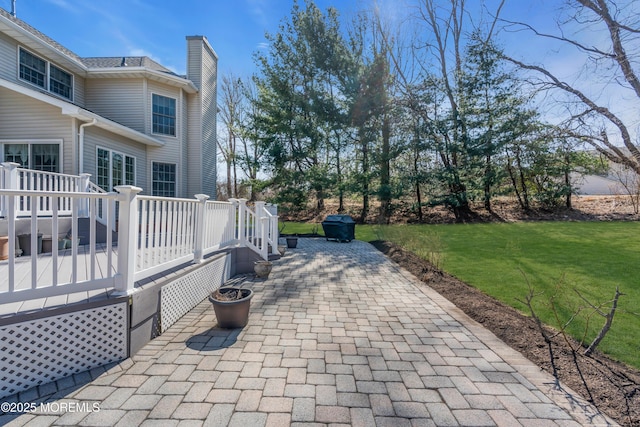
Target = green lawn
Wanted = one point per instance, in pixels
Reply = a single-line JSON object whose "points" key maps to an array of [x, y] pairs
{"points": [[556, 258]]}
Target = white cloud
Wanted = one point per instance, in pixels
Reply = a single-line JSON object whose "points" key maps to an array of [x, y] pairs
{"points": [[258, 9]]}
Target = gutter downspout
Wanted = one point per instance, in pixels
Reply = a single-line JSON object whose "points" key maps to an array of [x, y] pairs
{"points": [[81, 145]]}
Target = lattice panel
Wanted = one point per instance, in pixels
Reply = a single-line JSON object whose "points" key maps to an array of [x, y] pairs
{"points": [[180, 296], [45, 350]]}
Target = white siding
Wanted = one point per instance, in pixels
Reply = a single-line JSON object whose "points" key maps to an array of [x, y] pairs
{"points": [[120, 100], [96, 137], [24, 118]]}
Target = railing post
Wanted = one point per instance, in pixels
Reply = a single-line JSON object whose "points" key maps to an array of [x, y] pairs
{"points": [[259, 206], [83, 187], [275, 236], [264, 247], [127, 238], [198, 252], [11, 182], [242, 215]]}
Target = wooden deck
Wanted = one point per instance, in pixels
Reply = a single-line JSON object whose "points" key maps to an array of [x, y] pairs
{"points": [[64, 267]]}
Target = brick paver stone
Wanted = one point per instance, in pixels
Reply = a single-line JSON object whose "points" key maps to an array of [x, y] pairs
{"points": [[337, 335]]}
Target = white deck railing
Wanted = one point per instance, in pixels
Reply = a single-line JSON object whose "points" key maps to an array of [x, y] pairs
{"points": [[154, 235], [12, 177]]}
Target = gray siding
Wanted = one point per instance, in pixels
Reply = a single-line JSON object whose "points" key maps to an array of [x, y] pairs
{"points": [[173, 149], [96, 137], [121, 100], [202, 70], [24, 118], [9, 69], [9, 62], [209, 113]]}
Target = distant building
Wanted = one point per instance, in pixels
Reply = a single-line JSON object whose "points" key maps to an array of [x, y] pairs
{"points": [[124, 120]]}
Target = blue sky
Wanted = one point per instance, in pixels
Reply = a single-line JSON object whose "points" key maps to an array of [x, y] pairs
{"points": [[157, 28], [236, 29]]}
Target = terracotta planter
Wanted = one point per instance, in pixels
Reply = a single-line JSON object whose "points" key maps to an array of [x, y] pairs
{"points": [[4, 247], [231, 312], [262, 268]]}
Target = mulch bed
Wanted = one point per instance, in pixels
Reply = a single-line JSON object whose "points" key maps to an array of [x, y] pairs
{"points": [[612, 387]]}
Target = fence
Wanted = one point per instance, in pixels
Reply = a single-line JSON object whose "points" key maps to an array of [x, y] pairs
{"points": [[154, 234]]}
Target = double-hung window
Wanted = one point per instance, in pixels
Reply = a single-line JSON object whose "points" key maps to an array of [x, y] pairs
{"points": [[45, 75], [164, 115], [164, 179]]}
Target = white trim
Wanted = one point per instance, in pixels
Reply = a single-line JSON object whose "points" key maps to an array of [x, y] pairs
{"points": [[177, 175], [163, 77], [176, 126], [124, 166]]}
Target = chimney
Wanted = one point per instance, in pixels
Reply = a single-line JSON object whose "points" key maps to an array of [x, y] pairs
{"points": [[13, 8]]}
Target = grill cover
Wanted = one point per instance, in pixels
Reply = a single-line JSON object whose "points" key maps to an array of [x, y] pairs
{"points": [[339, 227]]}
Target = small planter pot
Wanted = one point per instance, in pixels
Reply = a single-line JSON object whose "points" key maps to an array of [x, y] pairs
{"points": [[282, 249], [25, 243], [4, 247], [67, 242], [262, 268], [292, 242], [231, 306]]}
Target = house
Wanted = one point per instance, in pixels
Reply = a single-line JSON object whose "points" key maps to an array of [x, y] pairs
{"points": [[134, 260], [124, 120]]}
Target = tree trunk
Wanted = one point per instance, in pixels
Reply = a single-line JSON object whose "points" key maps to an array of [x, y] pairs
{"points": [[385, 179], [229, 193], [365, 175], [487, 184], [417, 183]]}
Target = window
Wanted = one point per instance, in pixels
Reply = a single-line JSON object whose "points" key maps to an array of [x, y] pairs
{"points": [[59, 82], [45, 75], [164, 179], [42, 157], [32, 69], [164, 115], [113, 169]]}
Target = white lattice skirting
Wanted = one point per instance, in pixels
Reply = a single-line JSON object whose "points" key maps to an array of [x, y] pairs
{"points": [[48, 349], [180, 296]]}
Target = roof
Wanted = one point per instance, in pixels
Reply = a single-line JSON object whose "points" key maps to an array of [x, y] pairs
{"points": [[38, 34], [125, 61], [90, 65]]}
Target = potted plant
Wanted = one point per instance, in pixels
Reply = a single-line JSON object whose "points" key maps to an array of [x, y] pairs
{"points": [[4, 247], [262, 268], [231, 306], [292, 241]]}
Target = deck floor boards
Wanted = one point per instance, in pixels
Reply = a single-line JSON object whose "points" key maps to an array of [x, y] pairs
{"points": [[64, 267]]}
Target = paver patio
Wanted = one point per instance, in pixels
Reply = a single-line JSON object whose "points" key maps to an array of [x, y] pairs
{"points": [[338, 334]]}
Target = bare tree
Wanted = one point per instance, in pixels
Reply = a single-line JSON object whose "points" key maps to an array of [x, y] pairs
{"points": [[230, 109], [613, 66]]}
